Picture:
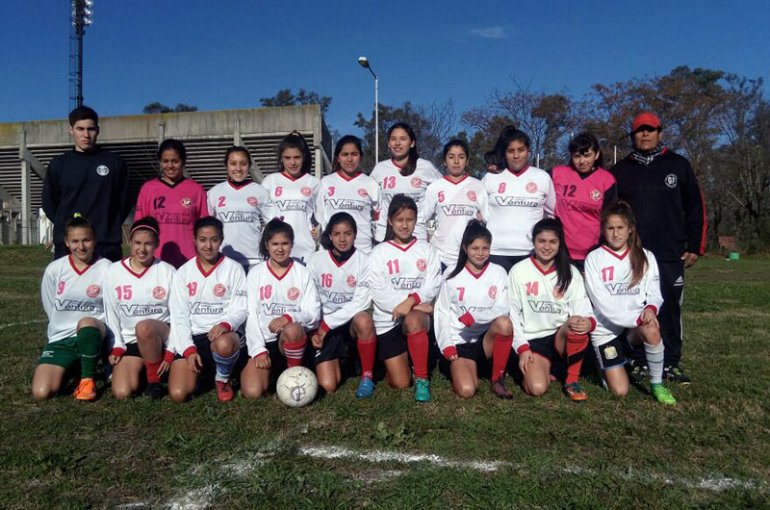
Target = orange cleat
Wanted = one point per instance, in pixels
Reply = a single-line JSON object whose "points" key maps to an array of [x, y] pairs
{"points": [[86, 390]]}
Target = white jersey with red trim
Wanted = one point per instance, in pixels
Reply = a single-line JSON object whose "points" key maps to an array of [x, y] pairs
{"points": [[453, 205], [358, 196], [69, 295], [482, 297], [131, 297], [293, 295], [200, 300], [537, 309], [618, 306], [340, 287], [293, 200], [516, 203], [387, 174], [395, 272], [240, 208]]}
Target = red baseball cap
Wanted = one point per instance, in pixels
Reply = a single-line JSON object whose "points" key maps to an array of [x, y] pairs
{"points": [[645, 119]]}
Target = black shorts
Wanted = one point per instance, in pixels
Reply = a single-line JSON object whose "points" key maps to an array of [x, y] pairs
{"points": [[336, 344], [132, 350], [472, 351], [391, 343], [507, 261], [611, 355], [544, 347]]}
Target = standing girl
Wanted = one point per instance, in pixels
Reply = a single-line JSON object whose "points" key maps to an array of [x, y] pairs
{"points": [[349, 190], [136, 305], [405, 174], [404, 276], [519, 196], [551, 312], [292, 193], [453, 201], [624, 285], [71, 292], [283, 306], [472, 322], [238, 203], [583, 189], [338, 272], [175, 201], [208, 306]]}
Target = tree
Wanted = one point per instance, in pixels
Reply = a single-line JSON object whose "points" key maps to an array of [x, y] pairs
{"points": [[285, 97], [157, 107]]}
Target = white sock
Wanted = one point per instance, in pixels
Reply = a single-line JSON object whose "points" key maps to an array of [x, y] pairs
{"points": [[654, 355]]}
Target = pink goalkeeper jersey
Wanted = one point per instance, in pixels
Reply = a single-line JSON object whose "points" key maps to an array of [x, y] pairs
{"points": [[176, 207], [579, 202]]}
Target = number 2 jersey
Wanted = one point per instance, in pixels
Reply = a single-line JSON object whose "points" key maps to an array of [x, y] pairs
{"points": [[480, 297], [395, 272], [340, 286], [131, 297], [618, 306], [293, 200], [292, 295], [537, 309], [202, 299], [69, 295], [358, 196]]}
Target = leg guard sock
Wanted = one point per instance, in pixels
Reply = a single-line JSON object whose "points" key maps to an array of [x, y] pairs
{"points": [[417, 343], [576, 347], [501, 351], [367, 350], [294, 352], [654, 354], [224, 365], [89, 342]]}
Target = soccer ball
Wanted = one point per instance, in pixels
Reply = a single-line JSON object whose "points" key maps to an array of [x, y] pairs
{"points": [[296, 386]]}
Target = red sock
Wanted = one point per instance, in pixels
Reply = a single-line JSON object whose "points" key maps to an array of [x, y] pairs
{"points": [[418, 350], [367, 350], [151, 367], [294, 352], [576, 346], [501, 351]]}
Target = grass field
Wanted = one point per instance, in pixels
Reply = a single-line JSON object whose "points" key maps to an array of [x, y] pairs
{"points": [[710, 451]]}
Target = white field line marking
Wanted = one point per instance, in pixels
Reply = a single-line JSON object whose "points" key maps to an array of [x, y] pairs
{"points": [[196, 499], [25, 323]]}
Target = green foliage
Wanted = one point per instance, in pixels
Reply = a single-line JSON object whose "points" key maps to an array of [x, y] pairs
{"points": [[285, 97], [157, 107]]}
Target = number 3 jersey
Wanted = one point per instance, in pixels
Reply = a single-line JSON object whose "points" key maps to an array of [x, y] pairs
{"points": [[618, 306], [69, 295], [292, 295], [476, 298], [537, 308], [202, 299], [131, 297], [340, 286], [358, 196], [395, 272]]}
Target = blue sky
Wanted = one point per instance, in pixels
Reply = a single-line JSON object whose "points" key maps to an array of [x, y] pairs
{"points": [[228, 54]]}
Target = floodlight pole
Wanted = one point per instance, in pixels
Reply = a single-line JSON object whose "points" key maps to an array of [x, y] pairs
{"points": [[81, 18], [364, 62]]}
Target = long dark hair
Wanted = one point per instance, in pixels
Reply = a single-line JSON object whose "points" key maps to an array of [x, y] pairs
{"points": [[637, 257], [174, 145], [338, 149], [583, 143], [272, 229], [507, 135], [562, 262], [398, 204], [209, 221], [411, 163], [474, 230], [294, 140], [336, 219]]}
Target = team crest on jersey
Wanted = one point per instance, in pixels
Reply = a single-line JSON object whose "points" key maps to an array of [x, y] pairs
{"points": [[306, 191], [363, 193], [219, 290], [93, 290], [610, 352], [186, 202], [671, 181], [252, 201], [103, 170], [596, 195], [292, 293], [416, 182], [531, 187], [492, 292], [351, 281], [422, 265], [471, 195], [159, 292]]}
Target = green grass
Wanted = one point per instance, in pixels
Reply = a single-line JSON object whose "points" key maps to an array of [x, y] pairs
{"points": [[710, 451]]}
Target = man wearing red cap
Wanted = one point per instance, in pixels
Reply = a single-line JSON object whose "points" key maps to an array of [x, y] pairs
{"points": [[662, 189]]}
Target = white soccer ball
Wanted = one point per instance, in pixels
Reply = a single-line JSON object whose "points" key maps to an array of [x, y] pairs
{"points": [[296, 386]]}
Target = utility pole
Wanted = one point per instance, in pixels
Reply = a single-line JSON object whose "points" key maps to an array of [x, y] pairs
{"points": [[82, 17]]}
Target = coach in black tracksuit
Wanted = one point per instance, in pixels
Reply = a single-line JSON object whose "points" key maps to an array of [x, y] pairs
{"points": [[90, 181], [664, 194]]}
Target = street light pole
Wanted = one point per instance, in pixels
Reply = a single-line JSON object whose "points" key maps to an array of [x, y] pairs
{"points": [[364, 62]]}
